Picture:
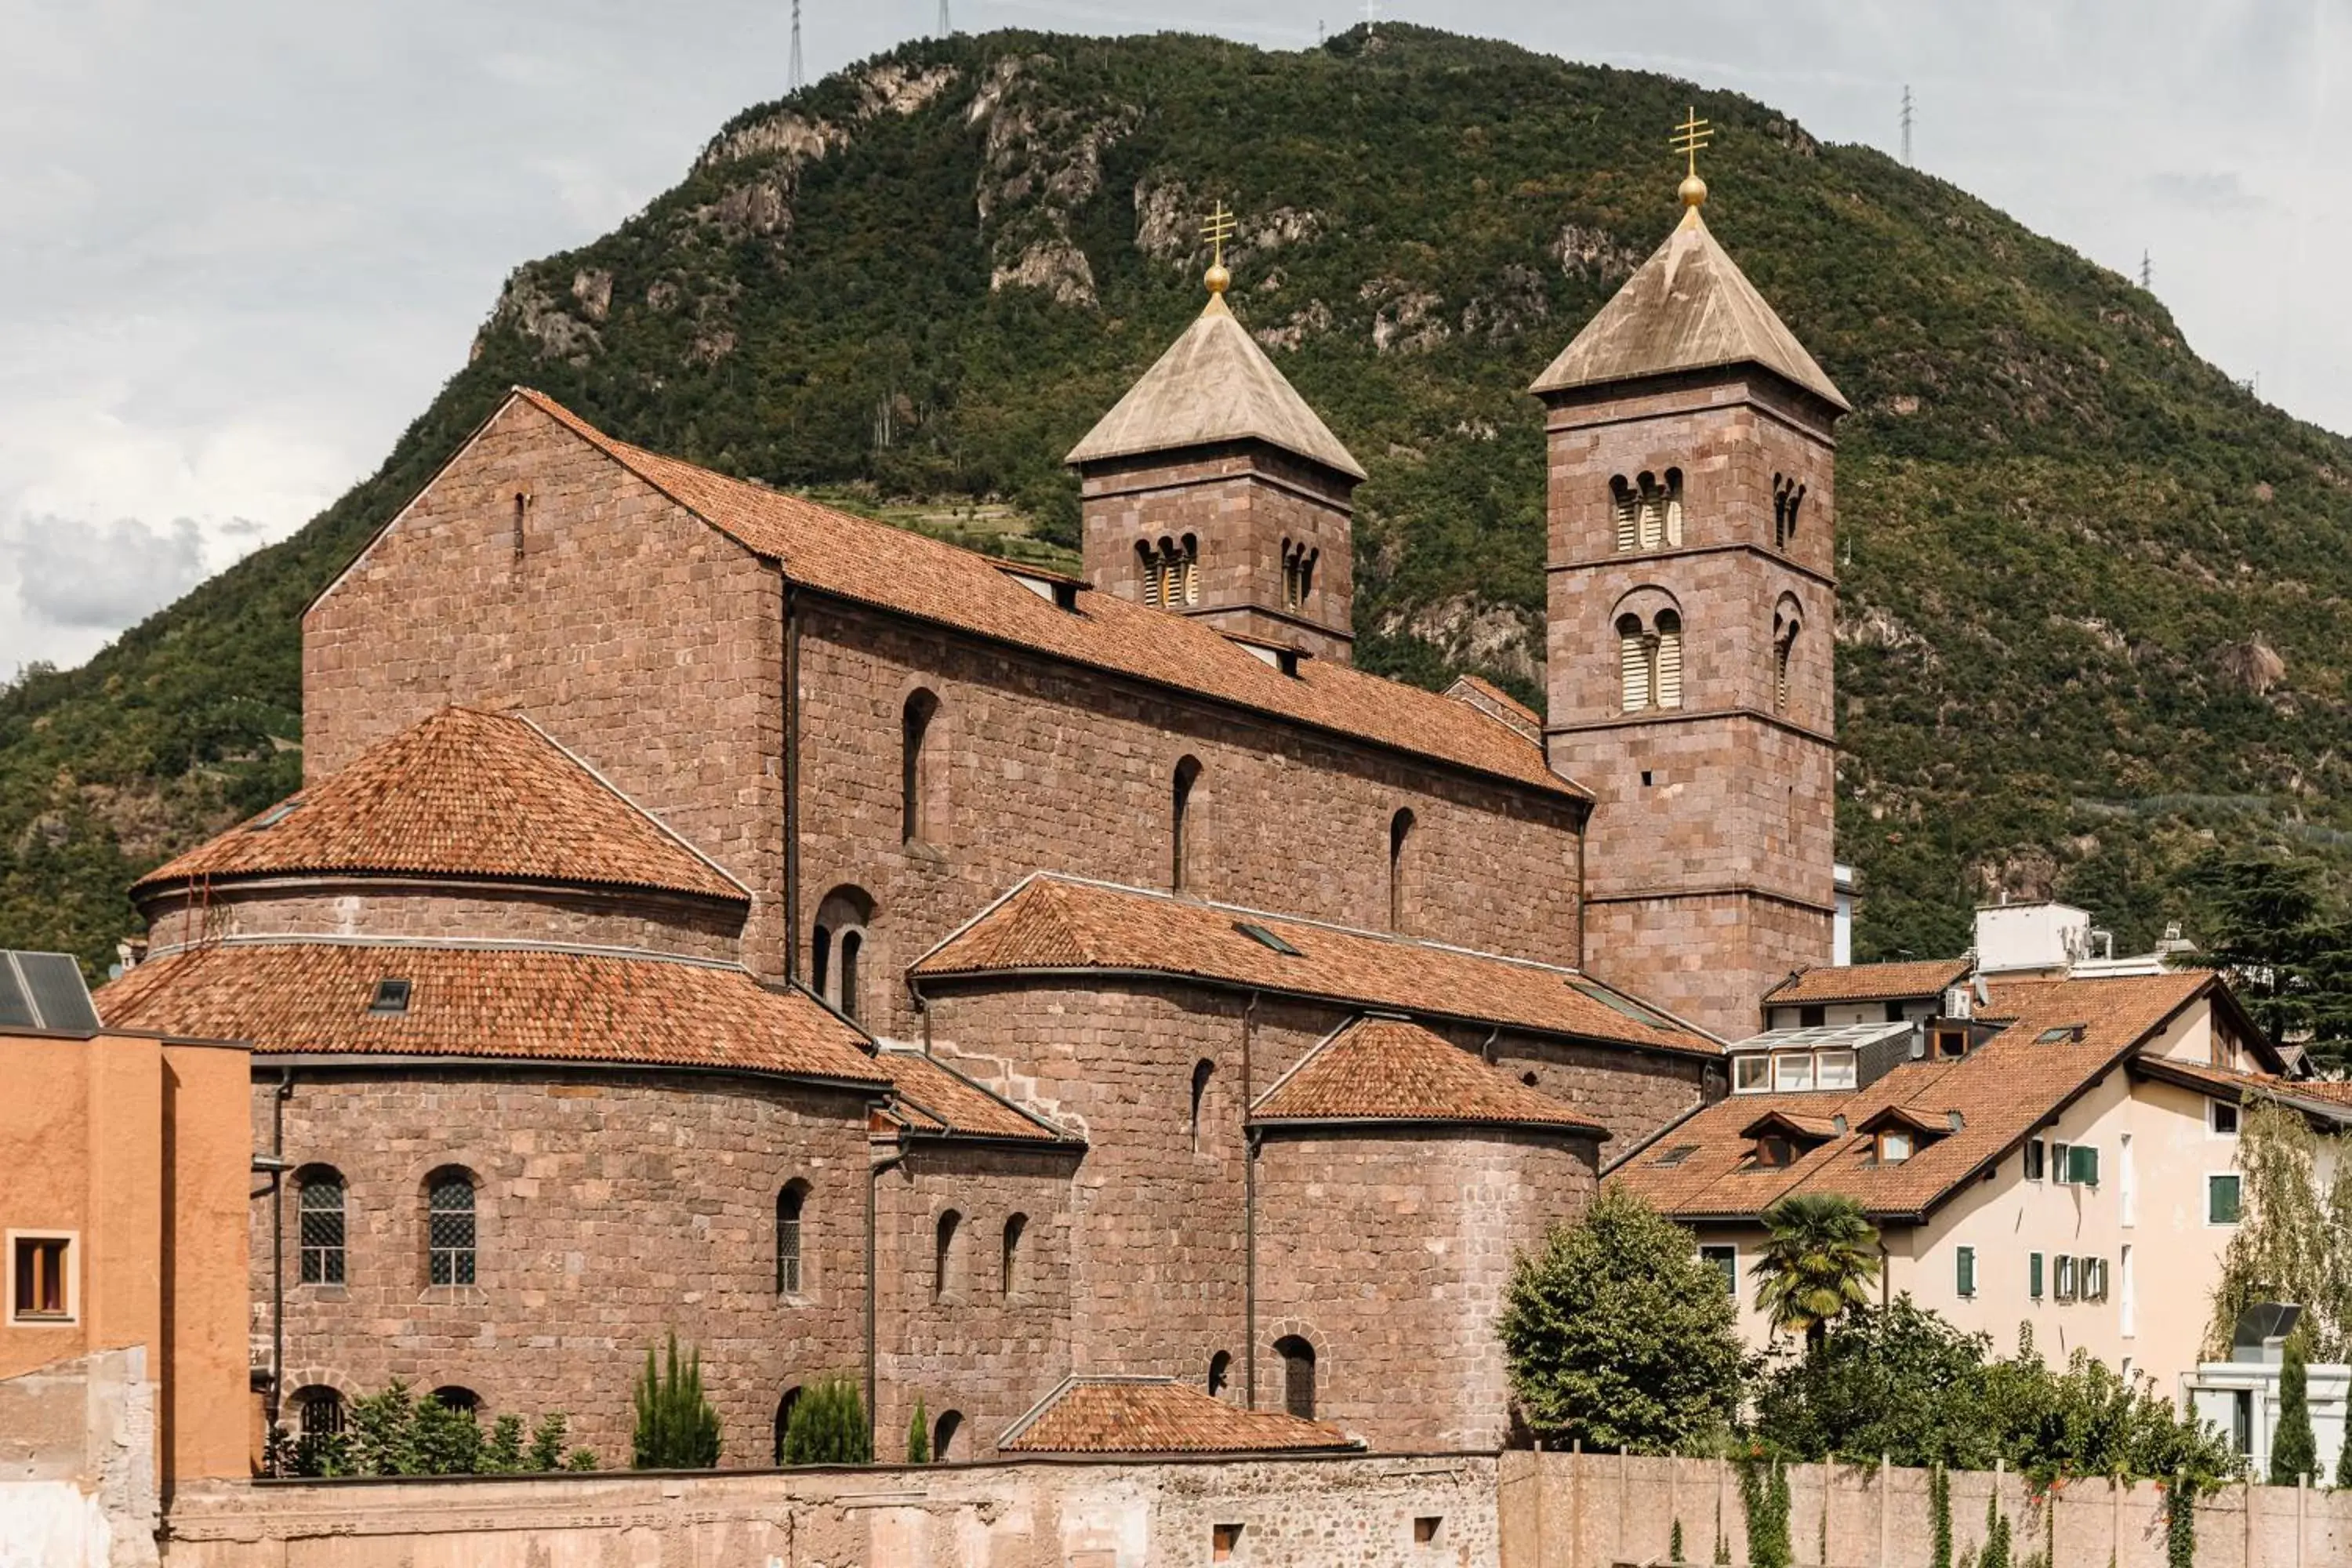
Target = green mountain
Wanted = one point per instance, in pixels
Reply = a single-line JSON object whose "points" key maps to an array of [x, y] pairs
{"points": [[2095, 619]]}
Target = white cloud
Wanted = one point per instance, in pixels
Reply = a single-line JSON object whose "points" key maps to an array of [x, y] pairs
{"points": [[81, 576]]}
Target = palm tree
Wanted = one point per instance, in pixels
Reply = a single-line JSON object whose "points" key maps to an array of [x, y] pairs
{"points": [[1819, 1258]]}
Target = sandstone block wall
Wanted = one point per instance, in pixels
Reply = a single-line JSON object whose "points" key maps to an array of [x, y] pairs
{"points": [[1243, 503], [687, 928], [1037, 766], [1708, 957], [638, 637], [1388, 1251], [986, 1347], [612, 1209]]}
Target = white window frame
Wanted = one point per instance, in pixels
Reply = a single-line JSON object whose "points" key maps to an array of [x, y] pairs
{"points": [[1763, 1084], [2211, 1223], [2037, 1160], [2128, 1307], [2064, 1283], [2126, 1179], [1895, 1146], [2213, 1110], [72, 1238], [1791, 1059], [1731, 1285], [1848, 1059]]}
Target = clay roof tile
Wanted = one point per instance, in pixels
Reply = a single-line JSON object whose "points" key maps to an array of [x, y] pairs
{"points": [[1102, 1415]]}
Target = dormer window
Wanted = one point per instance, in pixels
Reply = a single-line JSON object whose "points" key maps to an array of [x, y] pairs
{"points": [[1835, 1069], [1751, 1075], [1894, 1147], [1775, 1152], [1792, 1071]]}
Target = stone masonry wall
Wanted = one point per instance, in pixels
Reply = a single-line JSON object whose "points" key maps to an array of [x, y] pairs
{"points": [[638, 637], [985, 1348], [612, 1209], [1309, 1513], [1243, 503], [1389, 1252], [1037, 766], [1709, 958], [687, 928]]}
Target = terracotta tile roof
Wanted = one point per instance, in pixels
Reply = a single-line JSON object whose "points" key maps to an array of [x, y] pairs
{"points": [[307, 998], [1498, 705], [1059, 923], [895, 569], [462, 793], [1688, 307], [2331, 1090], [1868, 981], [934, 1098], [1387, 1069], [2002, 1090], [1158, 1416], [1807, 1127], [1214, 383]]}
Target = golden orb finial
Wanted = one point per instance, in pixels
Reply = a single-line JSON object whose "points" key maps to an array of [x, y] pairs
{"points": [[1691, 135], [1216, 231]]}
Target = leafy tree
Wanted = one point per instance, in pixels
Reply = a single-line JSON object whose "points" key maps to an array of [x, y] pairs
{"points": [[1820, 1257], [677, 1429], [393, 1433], [1891, 1381], [828, 1426], [1618, 1335], [2294, 1451], [919, 1436]]}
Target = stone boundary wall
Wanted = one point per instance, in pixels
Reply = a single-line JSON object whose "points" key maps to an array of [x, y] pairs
{"points": [[1343, 1511], [1599, 1510]]}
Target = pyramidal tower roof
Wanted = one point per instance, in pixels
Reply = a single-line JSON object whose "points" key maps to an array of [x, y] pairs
{"points": [[1689, 307], [1214, 383]]}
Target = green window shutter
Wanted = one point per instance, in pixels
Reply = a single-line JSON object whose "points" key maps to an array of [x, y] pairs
{"points": [[1968, 1266], [2222, 1196], [2086, 1172], [2034, 1275]]}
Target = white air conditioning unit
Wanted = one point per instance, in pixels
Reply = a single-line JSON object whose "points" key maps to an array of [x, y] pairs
{"points": [[1959, 1002]]}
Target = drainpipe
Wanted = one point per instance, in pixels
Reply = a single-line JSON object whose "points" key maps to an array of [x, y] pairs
{"points": [[873, 1182], [278, 1244], [791, 782], [1249, 1210], [1885, 1276]]}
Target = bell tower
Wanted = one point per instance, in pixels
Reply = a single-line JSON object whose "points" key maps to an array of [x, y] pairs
{"points": [[1212, 490], [1691, 594]]}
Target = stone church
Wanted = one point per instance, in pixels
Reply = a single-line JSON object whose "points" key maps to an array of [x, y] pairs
{"points": [[1090, 1007]]}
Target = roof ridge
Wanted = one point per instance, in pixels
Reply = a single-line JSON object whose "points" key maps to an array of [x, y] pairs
{"points": [[594, 772]]}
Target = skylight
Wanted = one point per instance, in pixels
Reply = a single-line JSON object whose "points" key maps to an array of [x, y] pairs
{"points": [[276, 815], [391, 999], [1676, 1155], [1624, 1005], [2062, 1034], [1265, 937]]}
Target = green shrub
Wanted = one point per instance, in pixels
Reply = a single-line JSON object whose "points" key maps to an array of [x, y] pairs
{"points": [[393, 1433], [677, 1429], [828, 1426]]}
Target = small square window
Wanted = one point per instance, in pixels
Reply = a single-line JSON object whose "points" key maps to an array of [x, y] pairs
{"points": [[391, 999], [1222, 1539], [2225, 1116], [1792, 1070], [1427, 1529], [1834, 1069], [1893, 1148], [42, 1288], [1812, 1017], [2224, 1197], [1751, 1075], [1951, 1043], [1725, 1260]]}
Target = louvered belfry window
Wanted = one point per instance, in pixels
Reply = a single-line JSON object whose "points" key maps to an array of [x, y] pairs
{"points": [[449, 1229], [1632, 664], [1628, 509], [320, 1225], [1667, 685], [1780, 671]]}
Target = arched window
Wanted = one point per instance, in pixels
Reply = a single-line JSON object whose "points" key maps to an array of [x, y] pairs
{"points": [[1625, 508], [944, 1272], [1670, 501], [1787, 622], [1202, 1071], [843, 918], [450, 1230], [1189, 570], [319, 1205], [463, 1401], [945, 1433], [792, 1396], [1648, 513], [1298, 1375], [318, 1412], [1188, 773], [1171, 572], [1148, 559], [1667, 649], [1787, 495], [1221, 1372], [914, 767], [791, 1203], [1632, 664], [1015, 1228], [1400, 872], [1297, 573]]}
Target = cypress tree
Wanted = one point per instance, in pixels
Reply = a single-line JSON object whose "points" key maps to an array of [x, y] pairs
{"points": [[1675, 1544], [2294, 1451], [919, 1436], [677, 1429], [828, 1426]]}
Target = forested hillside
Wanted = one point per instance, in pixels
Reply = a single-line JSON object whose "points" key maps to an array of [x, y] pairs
{"points": [[2095, 618]]}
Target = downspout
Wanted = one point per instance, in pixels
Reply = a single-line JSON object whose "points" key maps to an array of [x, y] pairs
{"points": [[277, 1245], [1885, 1276], [873, 1278], [791, 782], [1249, 1210], [1582, 828]]}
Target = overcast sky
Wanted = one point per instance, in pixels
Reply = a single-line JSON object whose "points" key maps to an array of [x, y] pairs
{"points": [[243, 242]]}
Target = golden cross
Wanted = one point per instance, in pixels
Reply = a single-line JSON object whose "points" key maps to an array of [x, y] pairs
{"points": [[1691, 135], [1216, 231]]}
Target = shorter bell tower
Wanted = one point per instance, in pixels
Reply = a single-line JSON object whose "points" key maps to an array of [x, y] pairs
{"points": [[1691, 594], [1212, 490]]}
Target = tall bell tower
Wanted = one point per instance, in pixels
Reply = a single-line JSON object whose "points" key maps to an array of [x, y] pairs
{"points": [[1692, 593]]}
